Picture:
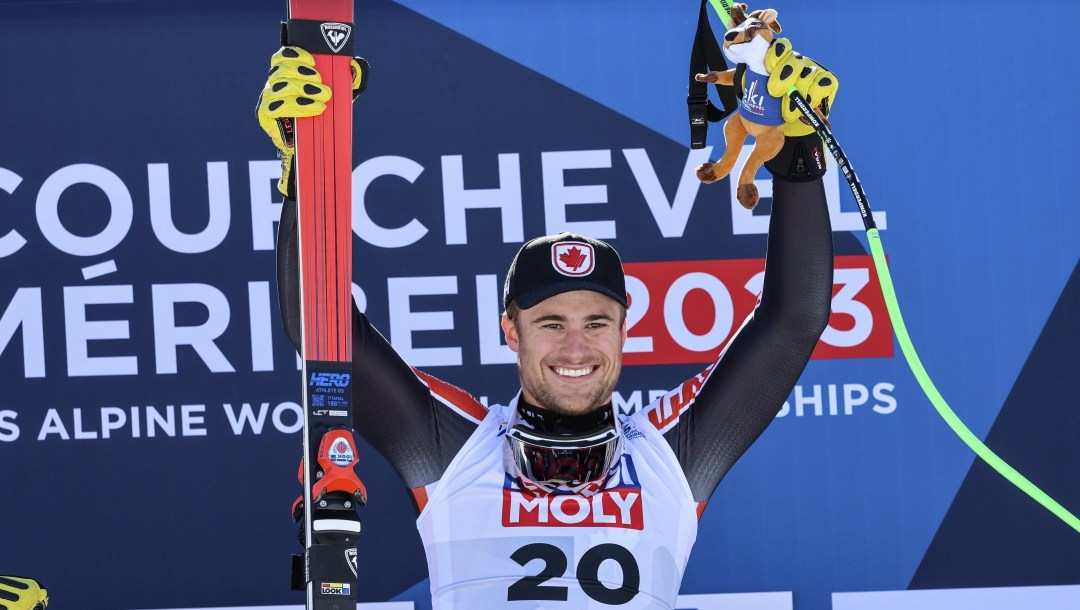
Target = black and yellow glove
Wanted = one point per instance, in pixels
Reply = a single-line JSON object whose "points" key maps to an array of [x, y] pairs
{"points": [[295, 89], [803, 155], [815, 82], [18, 593]]}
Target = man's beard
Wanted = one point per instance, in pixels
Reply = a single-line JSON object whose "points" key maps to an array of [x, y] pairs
{"points": [[549, 400]]}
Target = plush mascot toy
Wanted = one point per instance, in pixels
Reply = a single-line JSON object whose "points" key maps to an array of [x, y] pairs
{"points": [[763, 111]]}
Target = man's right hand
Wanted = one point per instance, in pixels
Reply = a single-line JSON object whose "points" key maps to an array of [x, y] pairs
{"points": [[293, 89], [18, 593]]}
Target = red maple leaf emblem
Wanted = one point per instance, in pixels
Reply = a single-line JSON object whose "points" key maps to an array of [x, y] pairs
{"points": [[573, 258]]}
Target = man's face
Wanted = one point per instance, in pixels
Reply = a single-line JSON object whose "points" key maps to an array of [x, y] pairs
{"points": [[569, 350]]}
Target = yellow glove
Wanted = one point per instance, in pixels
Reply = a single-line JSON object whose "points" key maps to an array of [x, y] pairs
{"points": [[295, 89], [817, 84], [22, 594]]}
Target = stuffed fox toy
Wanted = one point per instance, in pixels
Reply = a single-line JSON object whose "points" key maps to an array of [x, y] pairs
{"points": [[762, 111]]}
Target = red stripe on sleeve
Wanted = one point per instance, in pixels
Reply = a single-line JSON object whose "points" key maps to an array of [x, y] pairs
{"points": [[420, 495], [453, 396]]}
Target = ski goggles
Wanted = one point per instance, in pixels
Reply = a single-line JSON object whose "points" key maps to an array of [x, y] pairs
{"points": [[575, 463]]}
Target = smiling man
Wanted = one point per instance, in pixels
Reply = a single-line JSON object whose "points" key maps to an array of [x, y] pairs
{"points": [[565, 304], [555, 500]]}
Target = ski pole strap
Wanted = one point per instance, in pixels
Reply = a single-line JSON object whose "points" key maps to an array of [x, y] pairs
{"points": [[902, 337], [706, 56], [319, 37]]}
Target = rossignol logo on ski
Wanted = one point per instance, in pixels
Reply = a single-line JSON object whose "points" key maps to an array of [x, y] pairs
{"points": [[330, 380], [618, 505], [335, 588], [335, 34], [350, 558]]}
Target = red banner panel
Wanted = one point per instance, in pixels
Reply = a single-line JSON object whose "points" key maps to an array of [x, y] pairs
{"points": [[686, 311]]}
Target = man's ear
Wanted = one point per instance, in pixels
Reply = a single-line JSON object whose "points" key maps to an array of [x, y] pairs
{"points": [[510, 332]]}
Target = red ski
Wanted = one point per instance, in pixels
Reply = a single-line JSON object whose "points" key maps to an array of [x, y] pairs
{"points": [[332, 491]]}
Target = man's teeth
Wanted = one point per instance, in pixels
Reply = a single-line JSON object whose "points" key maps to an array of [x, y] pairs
{"points": [[573, 372]]}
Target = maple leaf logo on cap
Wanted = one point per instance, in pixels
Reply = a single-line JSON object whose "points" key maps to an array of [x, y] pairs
{"points": [[573, 258]]}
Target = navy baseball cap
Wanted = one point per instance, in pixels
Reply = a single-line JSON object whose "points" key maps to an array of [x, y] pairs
{"points": [[554, 264]]}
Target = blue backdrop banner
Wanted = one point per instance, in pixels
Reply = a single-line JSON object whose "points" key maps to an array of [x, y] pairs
{"points": [[149, 428]]}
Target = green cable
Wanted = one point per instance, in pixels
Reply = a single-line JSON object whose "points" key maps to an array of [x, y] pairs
{"points": [[939, 403], [885, 280]]}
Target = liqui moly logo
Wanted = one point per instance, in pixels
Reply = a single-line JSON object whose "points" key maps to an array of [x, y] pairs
{"points": [[752, 100], [618, 505]]}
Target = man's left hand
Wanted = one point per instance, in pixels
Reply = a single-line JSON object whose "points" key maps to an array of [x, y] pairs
{"points": [[818, 85]]}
